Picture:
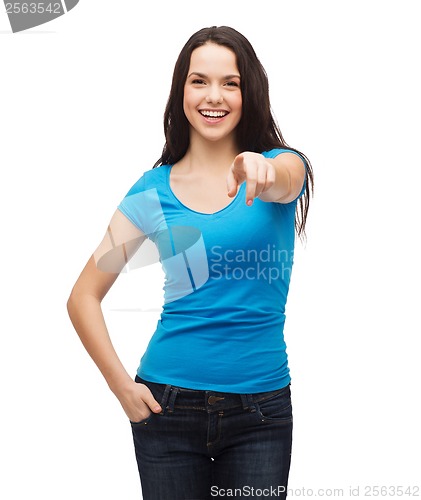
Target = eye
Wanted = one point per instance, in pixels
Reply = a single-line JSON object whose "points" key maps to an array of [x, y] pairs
{"points": [[232, 84], [198, 81]]}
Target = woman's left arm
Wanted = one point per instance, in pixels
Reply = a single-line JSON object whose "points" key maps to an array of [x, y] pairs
{"points": [[277, 179]]}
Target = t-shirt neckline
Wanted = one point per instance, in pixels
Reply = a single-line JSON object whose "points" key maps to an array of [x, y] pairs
{"points": [[204, 214]]}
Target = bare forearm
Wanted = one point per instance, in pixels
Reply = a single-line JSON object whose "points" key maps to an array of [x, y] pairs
{"points": [[86, 315], [282, 184], [288, 181]]}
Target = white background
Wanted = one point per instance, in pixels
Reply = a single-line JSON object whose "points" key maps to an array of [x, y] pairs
{"points": [[82, 99]]}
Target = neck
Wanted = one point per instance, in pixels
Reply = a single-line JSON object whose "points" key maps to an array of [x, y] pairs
{"points": [[210, 156]]}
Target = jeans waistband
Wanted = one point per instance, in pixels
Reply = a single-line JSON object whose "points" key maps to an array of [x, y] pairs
{"points": [[172, 397]]}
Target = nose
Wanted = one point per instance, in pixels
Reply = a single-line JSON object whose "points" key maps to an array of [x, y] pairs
{"points": [[214, 95]]}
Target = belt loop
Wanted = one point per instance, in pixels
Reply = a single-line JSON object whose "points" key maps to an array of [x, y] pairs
{"points": [[173, 391], [165, 398], [248, 403]]}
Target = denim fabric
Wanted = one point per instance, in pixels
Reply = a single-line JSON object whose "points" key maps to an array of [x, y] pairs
{"points": [[209, 445]]}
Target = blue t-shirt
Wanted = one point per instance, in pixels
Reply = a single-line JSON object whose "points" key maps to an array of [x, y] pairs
{"points": [[227, 276]]}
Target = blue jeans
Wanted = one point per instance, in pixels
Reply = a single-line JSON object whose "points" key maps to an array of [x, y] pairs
{"points": [[208, 445]]}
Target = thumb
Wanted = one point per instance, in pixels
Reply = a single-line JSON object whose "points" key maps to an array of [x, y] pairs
{"points": [[152, 403]]}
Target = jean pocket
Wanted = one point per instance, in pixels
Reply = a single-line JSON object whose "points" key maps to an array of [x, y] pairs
{"points": [[144, 421], [277, 408]]}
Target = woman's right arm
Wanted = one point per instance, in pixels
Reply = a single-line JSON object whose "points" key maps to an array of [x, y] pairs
{"points": [[120, 242]]}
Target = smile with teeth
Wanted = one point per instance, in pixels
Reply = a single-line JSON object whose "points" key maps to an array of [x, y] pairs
{"points": [[213, 114]]}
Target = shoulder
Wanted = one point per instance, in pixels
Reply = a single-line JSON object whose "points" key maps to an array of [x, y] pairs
{"points": [[150, 179], [142, 203]]}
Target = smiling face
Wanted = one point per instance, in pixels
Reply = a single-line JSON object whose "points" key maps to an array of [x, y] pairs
{"points": [[212, 95]]}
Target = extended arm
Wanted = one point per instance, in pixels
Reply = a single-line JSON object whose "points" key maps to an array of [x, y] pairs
{"points": [[277, 179]]}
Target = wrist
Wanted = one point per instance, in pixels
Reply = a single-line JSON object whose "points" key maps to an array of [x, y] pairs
{"points": [[120, 384]]}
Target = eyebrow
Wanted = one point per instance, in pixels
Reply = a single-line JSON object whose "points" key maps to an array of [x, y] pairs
{"points": [[202, 75]]}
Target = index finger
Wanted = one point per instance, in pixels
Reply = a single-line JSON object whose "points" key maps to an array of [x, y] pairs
{"points": [[251, 184]]}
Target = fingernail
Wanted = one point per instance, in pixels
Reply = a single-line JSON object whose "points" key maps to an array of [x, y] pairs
{"points": [[157, 408], [249, 203]]}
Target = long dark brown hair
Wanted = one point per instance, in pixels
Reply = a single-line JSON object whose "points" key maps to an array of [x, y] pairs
{"points": [[257, 130]]}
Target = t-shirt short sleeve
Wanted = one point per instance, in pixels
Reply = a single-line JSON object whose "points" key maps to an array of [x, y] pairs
{"points": [[142, 205], [128, 206]]}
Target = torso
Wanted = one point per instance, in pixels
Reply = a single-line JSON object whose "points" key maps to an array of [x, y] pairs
{"points": [[227, 279]]}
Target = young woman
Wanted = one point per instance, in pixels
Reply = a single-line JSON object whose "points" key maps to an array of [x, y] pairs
{"points": [[210, 406]]}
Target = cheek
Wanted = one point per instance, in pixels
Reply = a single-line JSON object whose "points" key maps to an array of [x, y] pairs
{"points": [[238, 103], [239, 107], [186, 108], [188, 97], [188, 103]]}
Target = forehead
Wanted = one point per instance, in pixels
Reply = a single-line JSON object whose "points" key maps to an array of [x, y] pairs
{"points": [[212, 59]]}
